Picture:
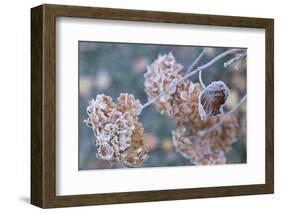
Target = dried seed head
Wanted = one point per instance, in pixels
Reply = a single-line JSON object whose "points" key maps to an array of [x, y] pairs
{"points": [[119, 134], [206, 148], [181, 101], [212, 99]]}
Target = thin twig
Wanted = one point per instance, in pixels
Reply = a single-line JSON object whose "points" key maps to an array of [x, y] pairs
{"points": [[196, 60], [186, 76], [225, 115], [238, 57], [200, 79]]}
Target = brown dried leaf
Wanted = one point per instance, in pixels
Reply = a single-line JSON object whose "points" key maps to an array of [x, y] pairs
{"points": [[212, 99]]}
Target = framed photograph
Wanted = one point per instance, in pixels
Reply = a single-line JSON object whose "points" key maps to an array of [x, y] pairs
{"points": [[136, 106]]}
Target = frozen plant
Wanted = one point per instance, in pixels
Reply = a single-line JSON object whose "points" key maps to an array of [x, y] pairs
{"points": [[118, 132], [203, 133], [179, 102], [212, 99], [206, 147]]}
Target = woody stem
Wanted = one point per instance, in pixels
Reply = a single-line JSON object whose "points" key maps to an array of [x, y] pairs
{"points": [[196, 60], [200, 80]]}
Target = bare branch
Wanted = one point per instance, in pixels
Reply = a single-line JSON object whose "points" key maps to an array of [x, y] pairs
{"points": [[196, 60], [238, 57], [200, 80]]}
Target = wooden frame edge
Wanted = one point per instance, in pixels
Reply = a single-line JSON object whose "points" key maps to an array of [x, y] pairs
{"points": [[37, 190], [43, 106], [269, 119]]}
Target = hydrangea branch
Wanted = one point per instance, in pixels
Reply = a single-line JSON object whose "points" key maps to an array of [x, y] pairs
{"points": [[238, 57], [196, 60], [189, 74], [200, 79]]}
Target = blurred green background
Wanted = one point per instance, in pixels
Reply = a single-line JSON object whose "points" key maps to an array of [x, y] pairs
{"points": [[114, 68]]}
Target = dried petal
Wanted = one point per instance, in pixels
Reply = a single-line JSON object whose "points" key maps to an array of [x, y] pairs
{"points": [[127, 103], [105, 152]]}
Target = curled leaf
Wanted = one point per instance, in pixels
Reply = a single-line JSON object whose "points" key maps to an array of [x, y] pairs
{"points": [[212, 99]]}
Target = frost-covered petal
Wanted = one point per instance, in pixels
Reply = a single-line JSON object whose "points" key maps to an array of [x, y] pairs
{"points": [[105, 151]]}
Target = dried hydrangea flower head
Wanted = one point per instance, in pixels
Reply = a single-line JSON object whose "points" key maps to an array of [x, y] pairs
{"points": [[181, 101], [206, 148], [119, 134], [212, 99], [160, 74]]}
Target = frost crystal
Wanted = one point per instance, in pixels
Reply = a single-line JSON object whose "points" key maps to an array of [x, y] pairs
{"points": [[119, 134]]}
